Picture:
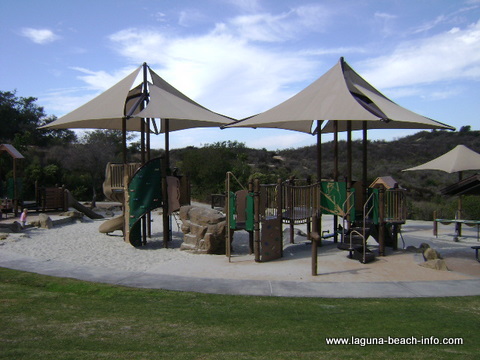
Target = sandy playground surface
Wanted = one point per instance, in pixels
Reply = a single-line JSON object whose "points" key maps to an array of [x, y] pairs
{"points": [[81, 243]]}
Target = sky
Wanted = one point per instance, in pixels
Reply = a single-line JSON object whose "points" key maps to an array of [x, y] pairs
{"points": [[242, 57]]}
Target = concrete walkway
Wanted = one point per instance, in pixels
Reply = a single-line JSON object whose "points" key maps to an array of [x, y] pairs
{"points": [[387, 289]]}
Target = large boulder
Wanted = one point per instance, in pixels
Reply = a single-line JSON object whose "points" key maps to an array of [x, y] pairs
{"points": [[44, 221], [204, 230]]}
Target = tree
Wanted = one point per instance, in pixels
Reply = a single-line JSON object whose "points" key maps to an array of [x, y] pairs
{"points": [[21, 118], [207, 166]]}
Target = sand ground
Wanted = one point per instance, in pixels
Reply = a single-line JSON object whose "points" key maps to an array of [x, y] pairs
{"points": [[81, 243]]}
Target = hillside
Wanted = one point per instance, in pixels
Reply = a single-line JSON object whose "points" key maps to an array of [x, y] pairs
{"points": [[384, 158]]}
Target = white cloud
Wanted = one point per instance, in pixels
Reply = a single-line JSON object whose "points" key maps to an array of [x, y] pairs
{"points": [[219, 70], [40, 36], [191, 17], [246, 5], [101, 80], [263, 27], [340, 51], [453, 54], [268, 27]]}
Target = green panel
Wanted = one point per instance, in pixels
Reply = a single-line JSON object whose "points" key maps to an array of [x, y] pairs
{"points": [[250, 211], [333, 197], [11, 188], [232, 198], [145, 190]]}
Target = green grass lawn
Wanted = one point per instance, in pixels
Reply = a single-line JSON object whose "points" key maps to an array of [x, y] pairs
{"points": [[51, 318]]}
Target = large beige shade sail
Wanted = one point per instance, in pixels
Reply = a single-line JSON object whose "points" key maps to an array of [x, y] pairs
{"points": [[461, 158], [105, 111], [392, 115], [339, 95]]}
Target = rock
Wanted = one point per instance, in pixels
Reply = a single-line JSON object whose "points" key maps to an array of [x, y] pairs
{"points": [[44, 221], [204, 230], [431, 254], [14, 227], [436, 264], [412, 248], [424, 246], [72, 214]]}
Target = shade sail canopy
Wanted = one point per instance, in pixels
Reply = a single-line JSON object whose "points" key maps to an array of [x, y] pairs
{"points": [[108, 109], [339, 95], [461, 158], [103, 112], [166, 102]]}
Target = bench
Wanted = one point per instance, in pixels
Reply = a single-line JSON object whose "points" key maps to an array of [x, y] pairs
{"points": [[476, 248]]}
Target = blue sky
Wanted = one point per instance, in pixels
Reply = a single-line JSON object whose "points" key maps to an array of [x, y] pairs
{"points": [[242, 57]]}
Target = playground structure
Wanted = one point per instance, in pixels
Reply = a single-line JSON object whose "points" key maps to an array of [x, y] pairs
{"points": [[264, 208], [142, 188], [10, 198]]}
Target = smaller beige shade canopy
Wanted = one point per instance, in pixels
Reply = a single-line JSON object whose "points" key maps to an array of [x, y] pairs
{"points": [[104, 111], [461, 158], [166, 102]]}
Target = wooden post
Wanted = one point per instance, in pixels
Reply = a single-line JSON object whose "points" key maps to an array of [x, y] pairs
{"points": [[365, 163], [315, 247], [291, 208], [149, 214], [349, 154], [335, 175], [381, 222], [279, 211], [228, 234], [256, 226], [165, 215], [250, 233]]}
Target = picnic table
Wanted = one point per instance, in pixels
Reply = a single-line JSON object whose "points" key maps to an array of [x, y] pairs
{"points": [[458, 223]]}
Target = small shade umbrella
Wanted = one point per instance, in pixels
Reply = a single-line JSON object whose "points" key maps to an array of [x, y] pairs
{"points": [[459, 159]]}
